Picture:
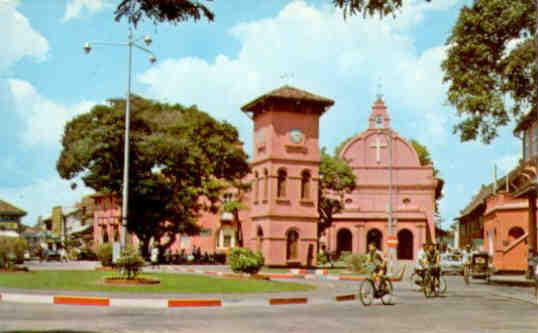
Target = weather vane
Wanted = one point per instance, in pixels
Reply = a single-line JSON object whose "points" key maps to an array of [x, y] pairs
{"points": [[379, 89]]}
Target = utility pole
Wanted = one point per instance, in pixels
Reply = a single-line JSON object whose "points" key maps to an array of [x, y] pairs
{"points": [[131, 42], [532, 205]]}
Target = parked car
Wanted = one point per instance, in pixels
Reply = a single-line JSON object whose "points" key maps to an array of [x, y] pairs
{"points": [[451, 264]]}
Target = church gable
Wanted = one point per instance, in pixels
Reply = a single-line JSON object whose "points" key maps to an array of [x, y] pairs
{"points": [[371, 149]]}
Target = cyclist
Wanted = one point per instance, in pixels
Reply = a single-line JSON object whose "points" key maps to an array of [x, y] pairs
{"points": [[434, 260], [376, 259], [422, 261]]}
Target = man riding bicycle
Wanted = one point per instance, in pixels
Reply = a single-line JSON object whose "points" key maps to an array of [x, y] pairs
{"points": [[376, 259], [434, 260], [422, 261]]}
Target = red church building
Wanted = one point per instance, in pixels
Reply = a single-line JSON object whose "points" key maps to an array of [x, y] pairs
{"points": [[280, 215], [366, 213]]}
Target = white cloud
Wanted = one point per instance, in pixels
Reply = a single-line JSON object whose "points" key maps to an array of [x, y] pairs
{"points": [[75, 8], [18, 37], [44, 119], [39, 197], [341, 59]]}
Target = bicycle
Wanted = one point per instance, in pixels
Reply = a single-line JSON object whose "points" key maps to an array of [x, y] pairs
{"points": [[417, 280], [368, 291], [432, 283]]}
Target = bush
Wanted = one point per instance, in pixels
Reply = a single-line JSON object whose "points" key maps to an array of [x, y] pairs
{"points": [[86, 253], [322, 258], [12, 251], [104, 254], [245, 261], [356, 262], [129, 263]]}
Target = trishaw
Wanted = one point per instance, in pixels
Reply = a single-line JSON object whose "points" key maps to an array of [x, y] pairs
{"points": [[480, 267]]}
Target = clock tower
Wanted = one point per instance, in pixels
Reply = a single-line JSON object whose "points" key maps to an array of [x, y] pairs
{"points": [[285, 168]]}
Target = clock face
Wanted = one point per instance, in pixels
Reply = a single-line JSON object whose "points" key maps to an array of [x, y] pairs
{"points": [[296, 136]]}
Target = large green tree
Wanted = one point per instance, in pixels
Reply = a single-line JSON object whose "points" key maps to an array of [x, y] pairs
{"points": [[181, 159], [490, 66], [336, 180]]}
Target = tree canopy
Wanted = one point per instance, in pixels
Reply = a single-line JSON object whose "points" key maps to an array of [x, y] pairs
{"points": [[336, 180], [176, 11], [490, 66], [181, 159], [173, 11]]}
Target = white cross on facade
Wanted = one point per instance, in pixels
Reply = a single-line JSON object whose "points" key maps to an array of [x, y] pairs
{"points": [[378, 146]]}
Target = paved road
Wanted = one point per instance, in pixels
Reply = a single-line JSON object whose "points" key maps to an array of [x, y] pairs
{"points": [[474, 309]]}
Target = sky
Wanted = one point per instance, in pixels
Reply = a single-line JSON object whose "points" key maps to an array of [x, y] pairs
{"points": [[46, 79]]}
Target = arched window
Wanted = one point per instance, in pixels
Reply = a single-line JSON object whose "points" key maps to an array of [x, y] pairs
{"points": [[265, 184], [116, 233], [259, 238], [105, 234], [305, 185], [292, 244], [256, 186], [281, 183]]}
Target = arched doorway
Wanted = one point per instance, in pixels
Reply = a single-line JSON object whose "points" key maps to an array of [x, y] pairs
{"points": [[344, 241], [375, 236], [292, 244], [405, 244]]}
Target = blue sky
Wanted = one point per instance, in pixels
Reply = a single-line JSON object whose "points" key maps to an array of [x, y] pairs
{"points": [[46, 79]]}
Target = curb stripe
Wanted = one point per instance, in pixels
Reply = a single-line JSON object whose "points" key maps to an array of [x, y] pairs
{"points": [[351, 278], [343, 298], [76, 300], [282, 301], [284, 276], [182, 303]]}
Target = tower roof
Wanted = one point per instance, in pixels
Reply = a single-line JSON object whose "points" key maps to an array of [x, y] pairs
{"points": [[379, 111], [287, 93]]}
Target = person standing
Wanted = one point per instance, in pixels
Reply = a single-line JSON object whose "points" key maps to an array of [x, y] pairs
{"points": [[63, 254], [154, 256]]}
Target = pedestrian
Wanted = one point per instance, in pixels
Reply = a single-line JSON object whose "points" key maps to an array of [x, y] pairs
{"points": [[154, 257], [63, 254]]}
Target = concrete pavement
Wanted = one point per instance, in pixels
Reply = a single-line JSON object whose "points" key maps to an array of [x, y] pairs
{"points": [[477, 308]]}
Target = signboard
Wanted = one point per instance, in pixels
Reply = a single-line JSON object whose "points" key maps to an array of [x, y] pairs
{"points": [[115, 251], [392, 241]]}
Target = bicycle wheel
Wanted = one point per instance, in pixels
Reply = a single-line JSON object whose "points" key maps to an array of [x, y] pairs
{"points": [[427, 285], [366, 292], [466, 275], [413, 281], [443, 286], [386, 285]]}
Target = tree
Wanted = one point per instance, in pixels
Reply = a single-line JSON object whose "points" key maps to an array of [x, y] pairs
{"points": [[424, 157], [490, 66], [336, 180], [369, 7], [181, 160]]}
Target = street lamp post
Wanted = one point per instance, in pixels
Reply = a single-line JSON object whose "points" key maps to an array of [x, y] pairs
{"points": [[392, 253], [131, 42]]}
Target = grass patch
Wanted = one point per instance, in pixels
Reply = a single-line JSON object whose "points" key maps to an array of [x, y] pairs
{"points": [[170, 283]]}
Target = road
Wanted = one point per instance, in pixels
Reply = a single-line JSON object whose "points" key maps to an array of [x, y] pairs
{"points": [[472, 309]]}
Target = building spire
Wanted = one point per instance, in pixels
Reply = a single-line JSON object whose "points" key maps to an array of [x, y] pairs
{"points": [[288, 78], [379, 89]]}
